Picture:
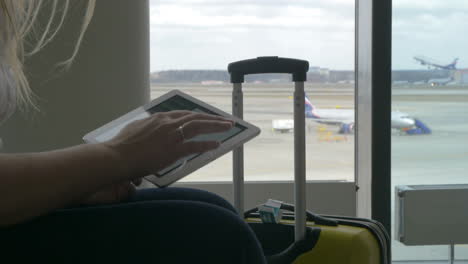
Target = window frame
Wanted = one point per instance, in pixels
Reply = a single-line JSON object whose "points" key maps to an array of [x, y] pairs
{"points": [[374, 43]]}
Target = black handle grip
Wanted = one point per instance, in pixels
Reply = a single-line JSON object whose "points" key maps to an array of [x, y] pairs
{"points": [[278, 242], [297, 248], [317, 219], [298, 68]]}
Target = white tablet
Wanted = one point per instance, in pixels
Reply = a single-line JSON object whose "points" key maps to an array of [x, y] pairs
{"points": [[240, 133]]}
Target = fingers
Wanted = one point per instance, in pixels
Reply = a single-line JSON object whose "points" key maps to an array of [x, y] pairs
{"points": [[182, 117], [171, 115], [193, 123], [178, 113], [182, 121], [196, 127], [194, 147]]}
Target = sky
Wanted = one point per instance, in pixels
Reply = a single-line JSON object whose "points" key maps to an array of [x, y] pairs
{"points": [[208, 34]]}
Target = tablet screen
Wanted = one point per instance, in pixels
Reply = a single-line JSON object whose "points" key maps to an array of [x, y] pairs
{"points": [[180, 103]]}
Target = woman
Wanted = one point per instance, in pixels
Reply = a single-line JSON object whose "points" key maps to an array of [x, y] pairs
{"points": [[79, 205]]}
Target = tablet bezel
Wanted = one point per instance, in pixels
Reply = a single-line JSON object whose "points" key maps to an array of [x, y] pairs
{"points": [[197, 162]]}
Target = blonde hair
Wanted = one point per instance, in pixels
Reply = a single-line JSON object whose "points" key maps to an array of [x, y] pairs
{"points": [[17, 21]]}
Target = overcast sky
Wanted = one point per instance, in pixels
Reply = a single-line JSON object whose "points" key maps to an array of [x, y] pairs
{"points": [[208, 34]]}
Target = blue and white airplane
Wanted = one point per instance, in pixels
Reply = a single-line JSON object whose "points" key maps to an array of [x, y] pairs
{"points": [[431, 63], [344, 118]]}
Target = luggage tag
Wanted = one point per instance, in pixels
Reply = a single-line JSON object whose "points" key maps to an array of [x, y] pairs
{"points": [[271, 212]]}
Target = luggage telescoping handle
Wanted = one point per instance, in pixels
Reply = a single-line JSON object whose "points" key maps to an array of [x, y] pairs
{"points": [[298, 69], [274, 64]]}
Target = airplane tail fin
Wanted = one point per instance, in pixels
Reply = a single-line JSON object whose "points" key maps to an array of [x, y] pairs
{"points": [[310, 109], [453, 64]]}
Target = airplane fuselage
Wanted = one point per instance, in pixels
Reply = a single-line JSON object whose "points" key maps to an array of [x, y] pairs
{"points": [[429, 62], [399, 120]]}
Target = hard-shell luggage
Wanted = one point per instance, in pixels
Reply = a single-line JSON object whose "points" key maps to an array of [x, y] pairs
{"points": [[289, 233]]}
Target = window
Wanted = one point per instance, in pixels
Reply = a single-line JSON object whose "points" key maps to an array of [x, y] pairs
{"points": [[430, 85], [192, 41]]}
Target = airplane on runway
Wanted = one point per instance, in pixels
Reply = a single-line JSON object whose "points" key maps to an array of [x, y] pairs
{"points": [[431, 63], [345, 119]]}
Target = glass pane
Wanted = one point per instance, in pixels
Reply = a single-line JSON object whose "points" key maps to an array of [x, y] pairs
{"points": [[429, 87], [193, 41]]}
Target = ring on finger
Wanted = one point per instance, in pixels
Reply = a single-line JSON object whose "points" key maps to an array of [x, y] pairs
{"points": [[181, 132]]}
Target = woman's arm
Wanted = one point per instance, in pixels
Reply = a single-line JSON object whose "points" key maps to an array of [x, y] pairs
{"points": [[33, 184]]}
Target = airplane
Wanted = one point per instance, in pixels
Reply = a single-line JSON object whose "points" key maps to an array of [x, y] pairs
{"points": [[344, 118], [430, 63]]}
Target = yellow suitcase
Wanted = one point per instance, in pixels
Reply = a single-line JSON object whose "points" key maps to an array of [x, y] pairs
{"points": [[329, 239]]}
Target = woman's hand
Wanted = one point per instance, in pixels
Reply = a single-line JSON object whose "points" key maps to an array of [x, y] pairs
{"points": [[148, 145]]}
